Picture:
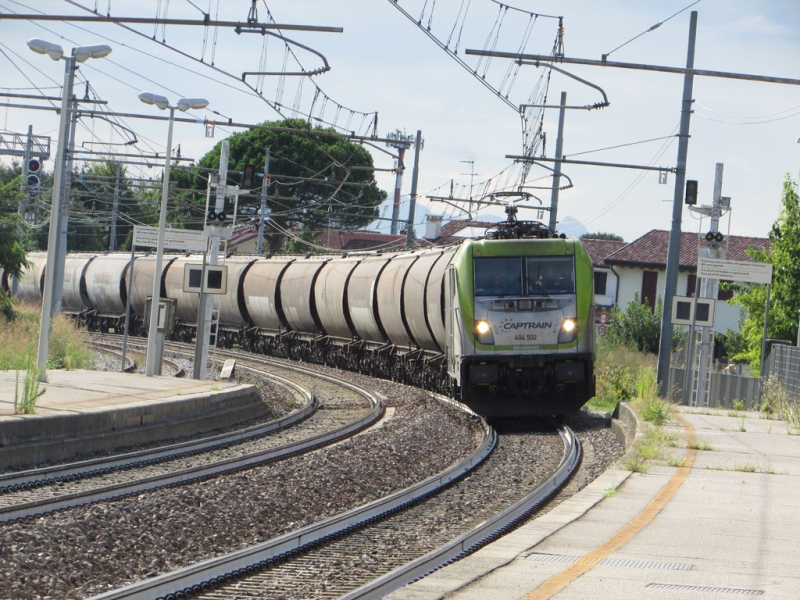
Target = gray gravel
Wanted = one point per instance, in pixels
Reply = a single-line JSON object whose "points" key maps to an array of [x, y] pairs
{"points": [[89, 550]]}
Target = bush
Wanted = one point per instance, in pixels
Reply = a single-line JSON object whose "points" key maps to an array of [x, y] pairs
{"points": [[619, 372], [639, 326]]}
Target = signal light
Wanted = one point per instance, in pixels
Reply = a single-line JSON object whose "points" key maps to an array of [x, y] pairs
{"points": [[691, 192], [32, 179], [248, 176], [714, 237], [216, 216]]}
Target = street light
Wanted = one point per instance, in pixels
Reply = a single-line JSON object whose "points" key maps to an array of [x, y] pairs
{"points": [[55, 261], [162, 102]]}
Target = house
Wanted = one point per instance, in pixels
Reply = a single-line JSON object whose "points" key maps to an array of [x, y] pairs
{"points": [[640, 267]]}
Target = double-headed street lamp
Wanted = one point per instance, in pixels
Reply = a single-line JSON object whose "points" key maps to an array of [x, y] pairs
{"points": [[162, 102], [55, 261]]}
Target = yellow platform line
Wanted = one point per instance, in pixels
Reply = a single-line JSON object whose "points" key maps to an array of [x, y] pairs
{"points": [[559, 581]]}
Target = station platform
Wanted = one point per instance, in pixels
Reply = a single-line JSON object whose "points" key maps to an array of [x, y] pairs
{"points": [[87, 412], [724, 522]]}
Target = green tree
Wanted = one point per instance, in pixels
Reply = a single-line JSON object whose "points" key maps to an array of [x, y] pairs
{"points": [[784, 255], [601, 235], [12, 250], [315, 180]]}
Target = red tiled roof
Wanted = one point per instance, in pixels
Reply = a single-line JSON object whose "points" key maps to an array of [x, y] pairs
{"points": [[650, 250], [599, 249]]}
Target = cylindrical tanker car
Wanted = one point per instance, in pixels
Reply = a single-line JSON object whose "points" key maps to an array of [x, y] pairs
{"points": [[503, 325]]}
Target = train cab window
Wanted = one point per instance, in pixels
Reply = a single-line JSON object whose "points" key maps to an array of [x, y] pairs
{"points": [[498, 276], [551, 275]]}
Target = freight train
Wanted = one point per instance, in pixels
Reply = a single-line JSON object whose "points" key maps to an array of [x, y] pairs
{"points": [[503, 324]]}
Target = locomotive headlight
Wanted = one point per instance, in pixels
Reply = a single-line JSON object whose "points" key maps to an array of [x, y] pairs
{"points": [[568, 332], [483, 332]]}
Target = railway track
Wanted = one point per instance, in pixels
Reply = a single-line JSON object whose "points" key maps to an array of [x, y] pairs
{"points": [[370, 551], [349, 409]]}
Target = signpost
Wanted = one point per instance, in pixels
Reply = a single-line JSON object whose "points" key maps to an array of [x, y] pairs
{"points": [[185, 240]]}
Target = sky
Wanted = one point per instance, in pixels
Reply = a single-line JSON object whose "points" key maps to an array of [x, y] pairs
{"points": [[383, 62]]}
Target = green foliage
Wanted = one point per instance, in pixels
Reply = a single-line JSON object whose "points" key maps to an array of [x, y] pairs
{"points": [[68, 349], [602, 235], [26, 403], [618, 370], [638, 327], [655, 410], [12, 251], [315, 180], [784, 255]]}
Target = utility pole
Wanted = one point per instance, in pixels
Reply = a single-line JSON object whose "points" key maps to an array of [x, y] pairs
{"points": [[401, 142], [58, 289], [113, 241], [557, 166], [674, 249], [414, 178], [262, 211]]}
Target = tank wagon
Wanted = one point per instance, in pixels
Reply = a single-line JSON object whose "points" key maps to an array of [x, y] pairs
{"points": [[503, 325]]}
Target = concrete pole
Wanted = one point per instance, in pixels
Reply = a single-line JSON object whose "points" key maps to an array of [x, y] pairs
{"points": [[113, 241], [53, 236], [557, 166], [413, 203], [58, 289], [152, 342], [673, 254], [263, 210], [398, 184]]}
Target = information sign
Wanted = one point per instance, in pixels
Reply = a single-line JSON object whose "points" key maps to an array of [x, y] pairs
{"points": [[731, 270], [174, 239]]}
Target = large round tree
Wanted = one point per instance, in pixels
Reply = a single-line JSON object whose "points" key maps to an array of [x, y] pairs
{"points": [[316, 179]]}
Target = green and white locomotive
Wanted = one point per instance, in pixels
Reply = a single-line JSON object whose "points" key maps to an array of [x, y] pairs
{"points": [[519, 326]]}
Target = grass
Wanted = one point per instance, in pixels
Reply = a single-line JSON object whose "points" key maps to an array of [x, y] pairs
{"points": [[646, 452], [695, 444], [775, 404], [19, 341], [746, 468], [611, 491], [67, 347]]}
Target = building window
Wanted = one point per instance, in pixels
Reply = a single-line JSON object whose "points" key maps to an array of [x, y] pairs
{"points": [[600, 282], [649, 288], [691, 283], [725, 294]]}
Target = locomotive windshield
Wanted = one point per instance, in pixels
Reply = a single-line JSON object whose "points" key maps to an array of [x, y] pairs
{"points": [[551, 275], [539, 275], [498, 276]]}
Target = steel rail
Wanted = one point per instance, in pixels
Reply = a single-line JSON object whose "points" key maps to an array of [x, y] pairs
{"points": [[225, 568], [115, 491], [487, 532], [97, 466]]}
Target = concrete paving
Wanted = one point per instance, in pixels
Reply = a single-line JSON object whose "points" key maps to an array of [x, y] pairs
{"points": [[79, 391], [726, 522], [85, 412]]}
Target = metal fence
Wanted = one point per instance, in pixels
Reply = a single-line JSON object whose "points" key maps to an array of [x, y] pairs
{"points": [[726, 390], [783, 362]]}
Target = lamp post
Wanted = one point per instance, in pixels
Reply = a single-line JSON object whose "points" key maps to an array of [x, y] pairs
{"points": [[162, 102], [55, 258]]}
